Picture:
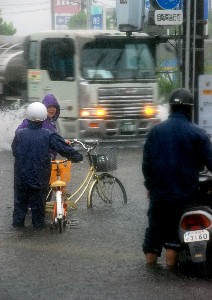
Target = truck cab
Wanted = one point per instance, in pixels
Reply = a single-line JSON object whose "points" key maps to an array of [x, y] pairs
{"points": [[105, 81]]}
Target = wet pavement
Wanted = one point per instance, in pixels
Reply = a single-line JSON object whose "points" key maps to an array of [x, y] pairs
{"points": [[100, 257]]}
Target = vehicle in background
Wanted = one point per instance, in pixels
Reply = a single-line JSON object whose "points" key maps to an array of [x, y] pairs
{"points": [[13, 83], [105, 82]]}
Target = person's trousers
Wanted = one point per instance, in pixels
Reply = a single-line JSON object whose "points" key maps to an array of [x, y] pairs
{"points": [[36, 199]]}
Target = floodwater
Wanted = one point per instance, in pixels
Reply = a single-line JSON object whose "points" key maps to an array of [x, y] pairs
{"points": [[101, 258]]}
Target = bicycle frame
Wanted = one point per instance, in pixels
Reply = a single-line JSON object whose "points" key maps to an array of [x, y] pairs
{"points": [[85, 184], [93, 182], [58, 213], [92, 175], [97, 180]]}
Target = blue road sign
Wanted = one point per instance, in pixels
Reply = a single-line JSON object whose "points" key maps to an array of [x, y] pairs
{"points": [[96, 22], [168, 4], [96, 17], [206, 9]]}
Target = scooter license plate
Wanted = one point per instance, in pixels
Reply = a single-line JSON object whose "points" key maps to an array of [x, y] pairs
{"points": [[196, 236]]}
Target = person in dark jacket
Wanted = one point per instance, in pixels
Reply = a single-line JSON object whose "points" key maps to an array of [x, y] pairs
{"points": [[31, 148], [174, 152], [53, 113]]}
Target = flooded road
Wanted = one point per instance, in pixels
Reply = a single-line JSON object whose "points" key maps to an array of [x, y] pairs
{"points": [[99, 258]]}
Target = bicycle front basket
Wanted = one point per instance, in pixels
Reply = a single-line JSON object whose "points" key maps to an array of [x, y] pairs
{"points": [[105, 162]]}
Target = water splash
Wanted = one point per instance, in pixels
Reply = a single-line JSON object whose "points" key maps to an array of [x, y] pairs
{"points": [[10, 119], [163, 111]]}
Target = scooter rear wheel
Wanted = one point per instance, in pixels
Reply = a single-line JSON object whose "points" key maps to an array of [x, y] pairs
{"points": [[194, 270]]}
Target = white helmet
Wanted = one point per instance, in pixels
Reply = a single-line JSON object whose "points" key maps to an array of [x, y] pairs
{"points": [[36, 111]]}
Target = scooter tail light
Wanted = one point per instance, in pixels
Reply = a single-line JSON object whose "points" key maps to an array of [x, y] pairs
{"points": [[195, 222]]}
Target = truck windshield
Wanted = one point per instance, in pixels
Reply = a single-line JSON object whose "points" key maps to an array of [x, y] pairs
{"points": [[117, 59]]}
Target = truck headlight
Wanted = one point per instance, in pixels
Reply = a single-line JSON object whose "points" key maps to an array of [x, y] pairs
{"points": [[93, 112], [150, 110]]}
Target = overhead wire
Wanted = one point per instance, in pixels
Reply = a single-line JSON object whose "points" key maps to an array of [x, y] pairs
{"points": [[15, 9], [108, 5], [27, 11], [9, 8], [23, 4], [5, 7]]}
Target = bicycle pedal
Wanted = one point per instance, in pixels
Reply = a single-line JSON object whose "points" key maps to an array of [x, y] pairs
{"points": [[73, 223]]}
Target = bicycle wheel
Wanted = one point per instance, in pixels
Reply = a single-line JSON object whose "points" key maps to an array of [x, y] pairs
{"points": [[60, 225], [106, 189], [61, 218]]}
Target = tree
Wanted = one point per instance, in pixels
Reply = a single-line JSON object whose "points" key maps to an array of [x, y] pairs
{"points": [[78, 21], [111, 20], [6, 28], [210, 24]]}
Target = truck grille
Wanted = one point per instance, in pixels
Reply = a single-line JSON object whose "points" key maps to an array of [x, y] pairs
{"points": [[125, 102]]}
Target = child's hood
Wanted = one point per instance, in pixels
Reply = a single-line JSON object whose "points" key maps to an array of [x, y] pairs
{"points": [[50, 100]]}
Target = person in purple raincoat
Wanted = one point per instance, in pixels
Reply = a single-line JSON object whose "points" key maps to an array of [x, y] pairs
{"points": [[53, 112]]}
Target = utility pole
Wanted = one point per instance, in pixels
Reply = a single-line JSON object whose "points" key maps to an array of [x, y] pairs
{"points": [[83, 5], [193, 48], [88, 8], [199, 47], [52, 15], [186, 43]]}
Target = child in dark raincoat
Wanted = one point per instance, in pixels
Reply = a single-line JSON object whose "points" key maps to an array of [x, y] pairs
{"points": [[31, 148]]}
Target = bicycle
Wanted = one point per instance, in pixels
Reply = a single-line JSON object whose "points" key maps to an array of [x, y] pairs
{"points": [[60, 176], [101, 185]]}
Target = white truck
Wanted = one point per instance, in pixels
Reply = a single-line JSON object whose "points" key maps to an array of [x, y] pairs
{"points": [[104, 81]]}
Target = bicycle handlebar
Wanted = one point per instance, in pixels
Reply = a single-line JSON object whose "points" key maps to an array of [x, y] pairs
{"points": [[86, 147], [56, 161]]}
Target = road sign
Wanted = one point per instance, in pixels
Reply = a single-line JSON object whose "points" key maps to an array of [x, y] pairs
{"points": [[96, 17], [62, 20], [168, 4], [168, 17], [205, 103], [96, 22]]}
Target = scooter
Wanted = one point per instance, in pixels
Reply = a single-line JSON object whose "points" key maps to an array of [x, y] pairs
{"points": [[195, 232]]}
